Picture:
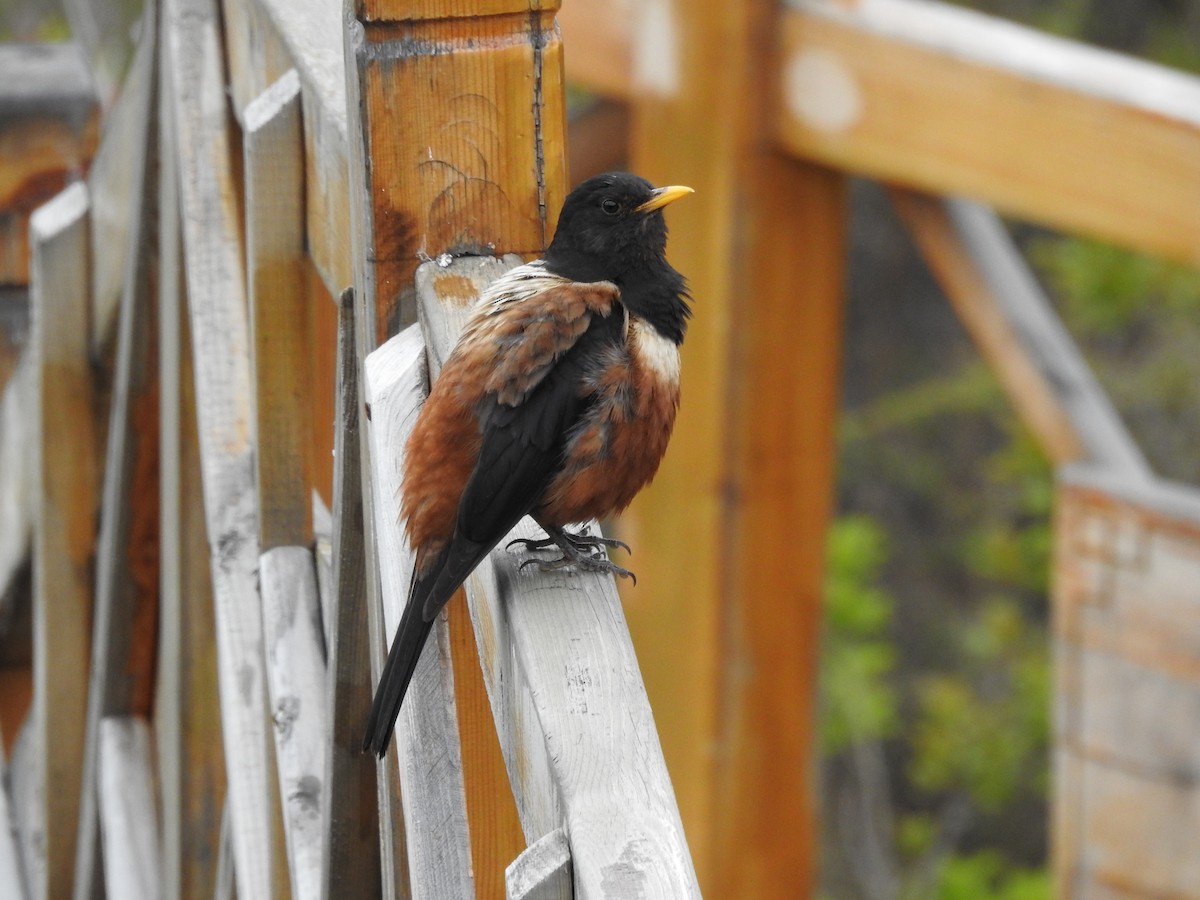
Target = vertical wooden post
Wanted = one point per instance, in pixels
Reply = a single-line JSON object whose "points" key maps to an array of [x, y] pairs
{"points": [[65, 525], [472, 160], [730, 537]]}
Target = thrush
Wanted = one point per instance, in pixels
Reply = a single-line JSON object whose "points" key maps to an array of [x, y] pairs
{"points": [[557, 402]]}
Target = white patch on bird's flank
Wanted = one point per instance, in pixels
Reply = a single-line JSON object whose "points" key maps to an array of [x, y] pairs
{"points": [[821, 91], [656, 49], [657, 353]]}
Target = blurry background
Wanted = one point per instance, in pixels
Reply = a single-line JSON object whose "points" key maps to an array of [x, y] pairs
{"points": [[935, 665]]}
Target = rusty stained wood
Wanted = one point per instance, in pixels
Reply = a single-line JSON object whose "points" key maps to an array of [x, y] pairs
{"points": [[125, 624], [1126, 805], [570, 709], [351, 860], [474, 157], [730, 537], [953, 102], [281, 326], [65, 480], [217, 305], [49, 126], [187, 717], [126, 784], [426, 744]]}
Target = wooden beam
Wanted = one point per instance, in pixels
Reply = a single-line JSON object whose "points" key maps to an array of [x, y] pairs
{"points": [[427, 749], [281, 317], [351, 863], [49, 126], [218, 313], [187, 717], [1014, 325], [125, 626], [132, 861], [65, 521], [730, 537], [953, 102]]}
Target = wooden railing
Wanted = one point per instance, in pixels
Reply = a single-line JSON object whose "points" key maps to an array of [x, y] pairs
{"points": [[203, 650]]}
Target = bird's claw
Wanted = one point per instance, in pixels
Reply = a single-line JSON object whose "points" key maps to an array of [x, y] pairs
{"points": [[582, 562], [580, 543]]}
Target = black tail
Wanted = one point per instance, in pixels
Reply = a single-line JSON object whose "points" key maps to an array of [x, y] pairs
{"points": [[397, 673]]}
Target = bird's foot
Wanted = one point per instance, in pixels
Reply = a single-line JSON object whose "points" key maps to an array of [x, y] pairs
{"points": [[582, 551]]}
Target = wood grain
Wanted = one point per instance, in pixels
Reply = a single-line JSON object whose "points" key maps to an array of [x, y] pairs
{"points": [[1127, 675], [730, 537], [218, 311], [65, 479], [127, 811], [1045, 129], [281, 315], [426, 741], [187, 715]]}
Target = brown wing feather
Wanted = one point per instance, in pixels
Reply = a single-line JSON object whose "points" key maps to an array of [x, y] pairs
{"points": [[505, 351]]}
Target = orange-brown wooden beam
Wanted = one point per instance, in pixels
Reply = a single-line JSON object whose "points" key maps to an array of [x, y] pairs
{"points": [[730, 538], [462, 116]]}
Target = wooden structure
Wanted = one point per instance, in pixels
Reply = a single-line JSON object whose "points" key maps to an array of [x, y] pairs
{"points": [[204, 475]]}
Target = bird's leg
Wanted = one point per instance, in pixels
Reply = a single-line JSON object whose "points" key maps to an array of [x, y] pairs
{"points": [[581, 551]]}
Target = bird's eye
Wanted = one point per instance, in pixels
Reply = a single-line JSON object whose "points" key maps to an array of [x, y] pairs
{"points": [[610, 206]]}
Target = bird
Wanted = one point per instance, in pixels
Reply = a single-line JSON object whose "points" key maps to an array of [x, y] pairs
{"points": [[557, 402]]}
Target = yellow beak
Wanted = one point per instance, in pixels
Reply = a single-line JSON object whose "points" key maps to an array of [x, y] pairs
{"points": [[660, 197]]}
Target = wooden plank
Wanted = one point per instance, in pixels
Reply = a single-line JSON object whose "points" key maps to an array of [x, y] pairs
{"points": [[542, 871], [570, 708], [48, 121], [16, 471], [108, 31], [1013, 323], [118, 173], [132, 864], [730, 537], [281, 325], [218, 311], [1057, 132], [27, 782], [599, 38], [187, 719], [65, 522], [12, 883], [474, 158], [351, 862], [125, 623], [426, 743], [266, 37], [295, 647], [1126, 810]]}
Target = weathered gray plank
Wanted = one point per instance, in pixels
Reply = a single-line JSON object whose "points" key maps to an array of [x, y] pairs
{"points": [[1010, 318], [187, 717], [12, 883], [25, 778], [351, 861], [117, 179], [16, 472], [299, 708], [126, 612], [1127, 688], [426, 738], [65, 522], [132, 864], [543, 871], [218, 311], [568, 699]]}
